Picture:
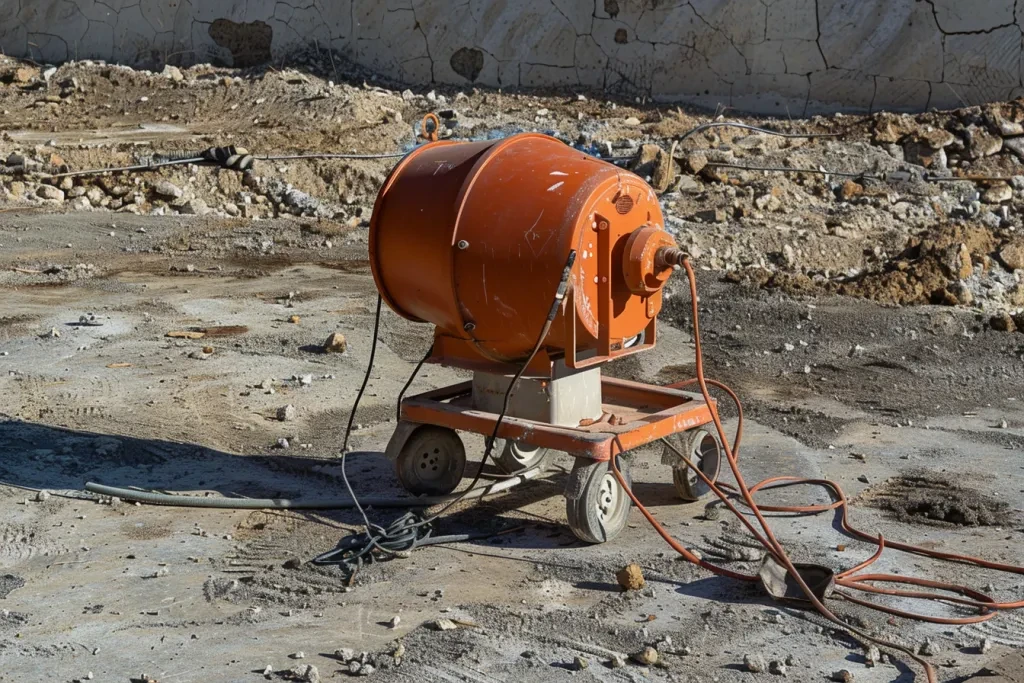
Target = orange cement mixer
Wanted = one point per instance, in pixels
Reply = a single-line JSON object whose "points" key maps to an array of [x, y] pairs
{"points": [[532, 259]]}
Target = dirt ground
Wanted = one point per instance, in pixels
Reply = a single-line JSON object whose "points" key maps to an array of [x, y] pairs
{"points": [[867, 327]]}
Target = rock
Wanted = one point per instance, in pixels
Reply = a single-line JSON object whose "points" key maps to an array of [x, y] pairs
{"points": [[42, 496], [985, 645], [294, 319], [579, 664], [443, 625], [631, 577], [307, 673], [95, 195], [268, 673], [768, 202], [17, 188], [616, 662], [366, 669], [1012, 254], [777, 668], [335, 343], [354, 666], [632, 121], [345, 654], [842, 676], [654, 162], [981, 143], [283, 443], [1002, 322], [80, 204], [231, 209], [997, 193], [194, 207], [51, 193], [54, 333], [696, 162], [173, 73], [1015, 145], [395, 621], [298, 655], [754, 663], [286, 413], [306, 380], [25, 74], [928, 648], [167, 189], [872, 656], [850, 189], [292, 563]]}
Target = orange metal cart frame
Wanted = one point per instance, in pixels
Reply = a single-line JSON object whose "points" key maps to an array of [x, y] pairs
{"points": [[635, 414]]}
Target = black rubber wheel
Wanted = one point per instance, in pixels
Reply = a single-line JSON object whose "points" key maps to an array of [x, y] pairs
{"points": [[432, 461], [596, 506], [514, 456], [704, 451]]}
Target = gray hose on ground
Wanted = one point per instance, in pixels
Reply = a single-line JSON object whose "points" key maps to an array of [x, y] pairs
{"points": [[155, 498]]}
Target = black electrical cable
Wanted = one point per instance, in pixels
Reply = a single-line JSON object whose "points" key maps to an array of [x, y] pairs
{"points": [[408, 382], [412, 529]]}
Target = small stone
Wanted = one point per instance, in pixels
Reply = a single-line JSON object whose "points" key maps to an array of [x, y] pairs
{"points": [[286, 413], [298, 655], [842, 676], [173, 73], [166, 188], [268, 673], [928, 648], [51, 193], [790, 660], [42, 496], [985, 645], [872, 655], [292, 563], [646, 656], [395, 621], [632, 121], [1002, 322], [777, 668], [345, 654], [1012, 254], [997, 193], [579, 664], [307, 673], [631, 577], [443, 625], [54, 333], [616, 662], [754, 663], [1002, 424], [283, 443], [850, 190], [335, 343], [294, 319], [863, 479]]}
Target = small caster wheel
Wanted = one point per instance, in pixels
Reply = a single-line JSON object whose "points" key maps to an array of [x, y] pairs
{"points": [[517, 457], [702, 448], [431, 461], [596, 506]]}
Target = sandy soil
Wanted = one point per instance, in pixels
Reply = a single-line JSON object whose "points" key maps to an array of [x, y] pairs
{"points": [[911, 400]]}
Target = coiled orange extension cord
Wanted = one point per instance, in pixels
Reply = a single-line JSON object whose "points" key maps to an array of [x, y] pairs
{"points": [[851, 578]]}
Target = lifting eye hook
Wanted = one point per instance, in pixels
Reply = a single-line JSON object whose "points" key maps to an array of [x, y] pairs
{"points": [[430, 127]]}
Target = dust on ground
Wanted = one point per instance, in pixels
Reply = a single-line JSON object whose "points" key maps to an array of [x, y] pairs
{"points": [[931, 499], [862, 321]]}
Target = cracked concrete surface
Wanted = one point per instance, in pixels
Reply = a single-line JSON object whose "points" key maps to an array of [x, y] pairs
{"points": [[794, 57]]}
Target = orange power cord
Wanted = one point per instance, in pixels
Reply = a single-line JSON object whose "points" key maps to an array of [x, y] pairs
{"points": [[851, 578]]}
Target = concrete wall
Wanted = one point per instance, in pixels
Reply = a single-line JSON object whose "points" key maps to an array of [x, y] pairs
{"points": [[771, 56]]}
